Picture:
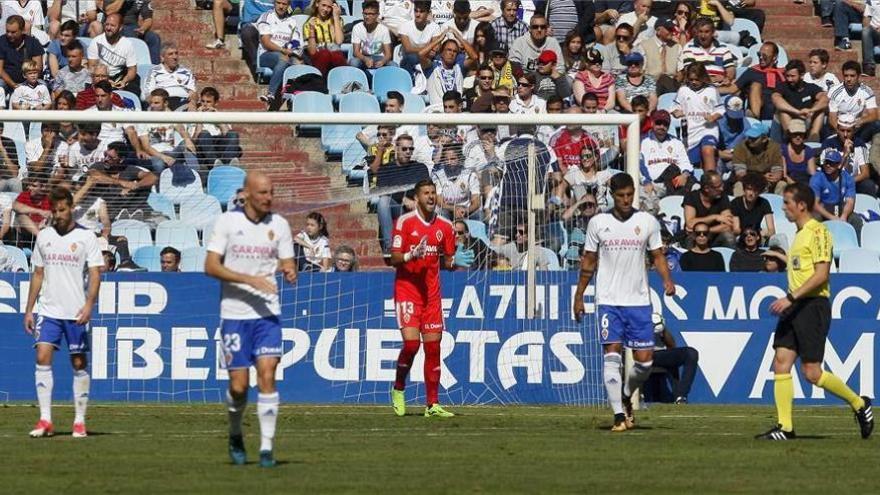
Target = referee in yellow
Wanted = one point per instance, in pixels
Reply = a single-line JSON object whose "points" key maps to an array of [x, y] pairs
{"points": [[805, 317]]}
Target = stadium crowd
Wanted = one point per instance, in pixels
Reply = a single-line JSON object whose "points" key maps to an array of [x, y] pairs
{"points": [[727, 120]]}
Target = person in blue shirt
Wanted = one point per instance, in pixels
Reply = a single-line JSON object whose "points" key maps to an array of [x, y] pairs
{"points": [[835, 191], [854, 150], [732, 128]]}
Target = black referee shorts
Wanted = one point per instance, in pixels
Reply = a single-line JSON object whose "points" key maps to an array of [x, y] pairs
{"points": [[804, 327]]}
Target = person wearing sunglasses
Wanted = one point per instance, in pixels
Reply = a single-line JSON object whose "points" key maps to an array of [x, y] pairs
{"points": [[525, 101], [700, 257], [393, 181], [748, 256], [614, 52], [526, 49], [709, 205], [587, 178], [472, 248]]}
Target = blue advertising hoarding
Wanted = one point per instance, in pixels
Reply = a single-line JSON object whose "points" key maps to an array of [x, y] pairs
{"points": [[154, 338]]}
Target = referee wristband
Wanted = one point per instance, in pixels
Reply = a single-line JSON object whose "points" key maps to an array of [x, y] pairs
{"points": [[790, 297]]}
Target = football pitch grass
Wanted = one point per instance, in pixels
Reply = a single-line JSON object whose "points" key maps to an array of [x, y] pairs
{"points": [[145, 448]]}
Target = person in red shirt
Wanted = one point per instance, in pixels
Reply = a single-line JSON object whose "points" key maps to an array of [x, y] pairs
{"points": [[33, 208], [567, 143], [420, 238]]}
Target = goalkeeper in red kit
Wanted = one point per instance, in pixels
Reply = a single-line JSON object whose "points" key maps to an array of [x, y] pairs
{"points": [[421, 237]]}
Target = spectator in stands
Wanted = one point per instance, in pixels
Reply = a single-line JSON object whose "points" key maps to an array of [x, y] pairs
{"points": [[90, 212], [700, 105], [818, 73], [635, 83], [666, 169], [116, 51], [508, 27], [732, 127], [86, 98], [461, 22], [580, 212], [178, 81], [751, 210], [137, 22], [32, 212], [549, 81], [443, 72], [854, 98], [595, 81], [56, 51], [525, 101], [719, 60], [684, 16], [564, 16], [484, 41], [588, 179], [757, 83], [397, 15], [393, 104], [710, 206], [371, 41], [83, 12], [10, 173], [402, 173], [416, 35], [125, 187], [344, 260], [760, 154], [499, 263], [573, 50], [73, 77], [251, 10], [41, 151], [720, 16], [748, 256], [282, 46], [835, 191], [796, 99], [503, 70], [381, 152], [569, 142], [159, 140], [474, 249], [478, 98], [31, 94], [111, 132], [641, 19], [661, 53], [701, 257], [169, 259], [800, 159], [525, 50], [775, 260], [220, 9], [73, 160], [516, 250], [312, 245], [323, 32], [614, 53], [216, 144], [846, 12], [15, 48], [30, 10], [458, 188], [855, 154]]}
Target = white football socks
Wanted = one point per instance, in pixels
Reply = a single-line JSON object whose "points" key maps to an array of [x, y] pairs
{"points": [[44, 383], [637, 376], [267, 411], [613, 378], [81, 382], [236, 411]]}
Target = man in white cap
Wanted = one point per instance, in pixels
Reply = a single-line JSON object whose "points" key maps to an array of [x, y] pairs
{"points": [[732, 127], [854, 151]]}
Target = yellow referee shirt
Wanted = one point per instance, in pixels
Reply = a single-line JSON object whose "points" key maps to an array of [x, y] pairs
{"points": [[811, 245]]}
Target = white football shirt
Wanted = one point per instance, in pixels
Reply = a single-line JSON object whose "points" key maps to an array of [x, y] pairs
{"points": [[253, 249], [622, 276], [64, 258], [696, 106], [841, 101], [826, 82], [116, 57]]}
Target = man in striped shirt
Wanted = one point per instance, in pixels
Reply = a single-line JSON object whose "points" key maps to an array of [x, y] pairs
{"points": [[508, 27], [719, 60]]}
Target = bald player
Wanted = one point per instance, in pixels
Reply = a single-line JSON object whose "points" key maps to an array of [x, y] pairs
{"points": [[246, 248]]}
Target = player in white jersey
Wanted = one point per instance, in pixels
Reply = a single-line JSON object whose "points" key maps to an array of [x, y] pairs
{"points": [[62, 253], [700, 105], [619, 240], [246, 247]]}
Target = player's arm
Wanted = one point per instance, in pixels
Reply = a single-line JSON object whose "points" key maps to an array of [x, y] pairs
{"points": [[819, 278], [85, 314], [33, 292], [214, 268], [588, 268], [662, 268], [289, 269]]}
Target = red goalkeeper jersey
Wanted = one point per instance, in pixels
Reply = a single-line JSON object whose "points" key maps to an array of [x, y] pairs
{"points": [[421, 277]]}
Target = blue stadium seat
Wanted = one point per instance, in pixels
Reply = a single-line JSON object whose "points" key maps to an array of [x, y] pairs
{"points": [[312, 102], [336, 137], [843, 235], [357, 8], [665, 101], [413, 103], [177, 234], [775, 200], [137, 233], [141, 51], [859, 261], [193, 259], [177, 194], [159, 203], [200, 211], [358, 102], [391, 79], [148, 257], [865, 202], [263, 73], [741, 24], [295, 71], [338, 77], [786, 228], [478, 230], [726, 253], [671, 206], [301, 20], [223, 181], [18, 256], [871, 235], [352, 155]]}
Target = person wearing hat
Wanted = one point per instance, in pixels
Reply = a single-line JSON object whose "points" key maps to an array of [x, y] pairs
{"points": [[835, 191], [800, 159], [762, 155], [855, 153], [732, 127], [502, 68], [525, 50], [594, 80], [661, 51], [416, 35], [665, 166], [548, 80], [797, 99], [635, 83]]}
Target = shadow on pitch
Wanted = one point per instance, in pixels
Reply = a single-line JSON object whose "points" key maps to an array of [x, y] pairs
{"points": [[91, 433]]}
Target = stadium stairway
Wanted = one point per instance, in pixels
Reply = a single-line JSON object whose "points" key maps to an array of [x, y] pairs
{"points": [[297, 166]]}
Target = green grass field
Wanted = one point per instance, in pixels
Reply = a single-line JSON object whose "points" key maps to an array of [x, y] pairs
{"points": [[676, 449]]}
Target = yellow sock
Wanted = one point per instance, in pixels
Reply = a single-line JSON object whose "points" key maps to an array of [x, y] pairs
{"points": [[783, 394], [835, 385]]}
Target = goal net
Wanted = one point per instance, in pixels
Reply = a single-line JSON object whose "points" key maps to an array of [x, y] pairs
{"points": [[523, 188]]}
